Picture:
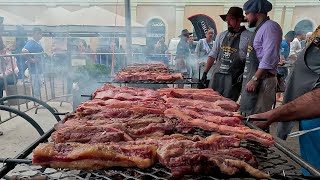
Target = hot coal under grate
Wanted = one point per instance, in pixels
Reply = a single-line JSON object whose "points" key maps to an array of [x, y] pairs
{"points": [[269, 159]]}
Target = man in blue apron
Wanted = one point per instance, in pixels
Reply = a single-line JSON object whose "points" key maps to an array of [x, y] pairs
{"points": [[263, 55], [228, 52], [301, 100]]}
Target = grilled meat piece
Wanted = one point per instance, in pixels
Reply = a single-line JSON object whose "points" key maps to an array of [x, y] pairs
{"points": [[93, 157]]}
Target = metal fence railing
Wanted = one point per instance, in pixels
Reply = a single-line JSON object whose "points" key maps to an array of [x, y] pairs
{"points": [[55, 77], [52, 78], [41, 79]]}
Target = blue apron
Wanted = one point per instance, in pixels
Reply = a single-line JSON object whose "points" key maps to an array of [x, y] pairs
{"points": [[310, 143]]}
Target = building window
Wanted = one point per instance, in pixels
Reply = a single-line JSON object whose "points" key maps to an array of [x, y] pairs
{"points": [[304, 26]]}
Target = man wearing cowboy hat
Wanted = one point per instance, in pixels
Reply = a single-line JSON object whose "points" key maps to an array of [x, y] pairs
{"points": [[301, 98], [263, 55], [228, 53], [183, 52]]}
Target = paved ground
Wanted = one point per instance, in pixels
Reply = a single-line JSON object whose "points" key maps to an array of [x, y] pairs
{"points": [[18, 133]]}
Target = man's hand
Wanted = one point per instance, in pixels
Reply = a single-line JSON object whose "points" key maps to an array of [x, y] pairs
{"points": [[281, 62], [204, 77], [293, 57], [262, 125], [202, 63], [203, 81], [252, 86]]}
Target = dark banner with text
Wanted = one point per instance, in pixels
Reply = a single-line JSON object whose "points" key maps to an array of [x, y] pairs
{"points": [[202, 23]]}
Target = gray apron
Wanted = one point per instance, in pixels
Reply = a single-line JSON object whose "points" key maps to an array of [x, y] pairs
{"points": [[301, 80], [249, 99], [229, 67]]}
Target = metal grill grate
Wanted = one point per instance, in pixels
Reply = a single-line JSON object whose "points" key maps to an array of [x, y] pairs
{"points": [[184, 81], [269, 159]]}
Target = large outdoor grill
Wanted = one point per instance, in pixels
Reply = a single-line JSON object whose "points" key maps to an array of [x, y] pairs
{"points": [[278, 161], [270, 161]]}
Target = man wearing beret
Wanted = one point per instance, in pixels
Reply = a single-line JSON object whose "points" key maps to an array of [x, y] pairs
{"points": [[259, 78], [229, 54]]}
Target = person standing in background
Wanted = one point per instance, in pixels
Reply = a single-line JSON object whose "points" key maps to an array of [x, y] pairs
{"points": [[160, 47], [160, 50], [8, 69], [35, 62], [295, 46], [263, 55], [228, 56], [21, 40], [183, 53], [284, 54], [202, 51], [192, 44], [308, 35]]}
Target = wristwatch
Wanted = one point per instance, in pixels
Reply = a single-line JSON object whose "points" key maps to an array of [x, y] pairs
{"points": [[255, 78]]}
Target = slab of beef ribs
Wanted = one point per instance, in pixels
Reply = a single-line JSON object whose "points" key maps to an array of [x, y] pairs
{"points": [[146, 72], [242, 132], [97, 131], [207, 157], [125, 93], [93, 157]]}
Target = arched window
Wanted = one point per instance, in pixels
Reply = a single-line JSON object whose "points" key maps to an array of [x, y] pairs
{"points": [[304, 26], [156, 29]]}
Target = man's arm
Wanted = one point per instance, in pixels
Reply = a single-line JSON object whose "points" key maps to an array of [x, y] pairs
{"points": [[304, 107], [26, 51], [209, 64], [198, 47], [294, 46]]}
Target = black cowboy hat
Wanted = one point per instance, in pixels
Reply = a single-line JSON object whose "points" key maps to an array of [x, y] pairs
{"points": [[185, 32], [234, 11]]}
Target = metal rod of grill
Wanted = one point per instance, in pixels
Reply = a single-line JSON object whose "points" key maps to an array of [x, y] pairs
{"points": [[9, 166], [16, 161], [296, 158]]}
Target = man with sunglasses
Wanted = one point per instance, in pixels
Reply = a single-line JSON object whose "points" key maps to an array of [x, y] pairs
{"points": [[301, 100], [228, 56]]}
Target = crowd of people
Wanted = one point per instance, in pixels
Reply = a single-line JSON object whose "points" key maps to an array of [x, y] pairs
{"points": [[252, 64]]}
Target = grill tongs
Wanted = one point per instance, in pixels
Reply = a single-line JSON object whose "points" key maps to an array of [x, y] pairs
{"points": [[300, 133], [249, 119]]}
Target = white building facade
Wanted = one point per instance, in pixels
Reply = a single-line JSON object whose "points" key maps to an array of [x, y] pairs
{"points": [[290, 14]]}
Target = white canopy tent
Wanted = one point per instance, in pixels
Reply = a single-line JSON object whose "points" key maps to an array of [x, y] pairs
{"points": [[96, 16], [91, 16], [54, 17], [12, 19]]}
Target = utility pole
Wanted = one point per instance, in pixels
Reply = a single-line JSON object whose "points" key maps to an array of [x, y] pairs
{"points": [[128, 33], [1, 26]]}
